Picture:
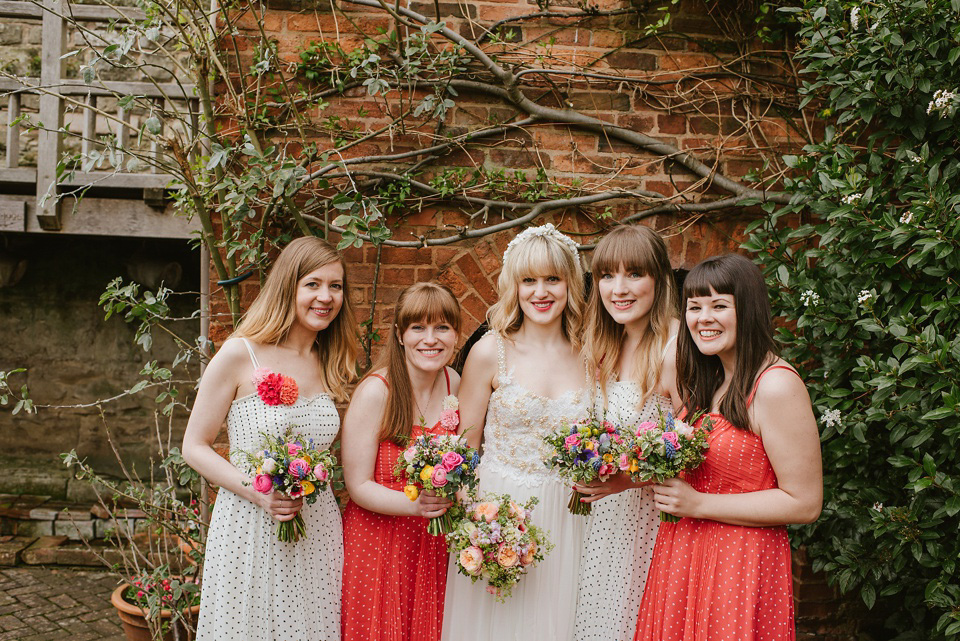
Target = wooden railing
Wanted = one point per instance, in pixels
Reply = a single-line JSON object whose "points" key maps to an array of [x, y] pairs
{"points": [[54, 91]]}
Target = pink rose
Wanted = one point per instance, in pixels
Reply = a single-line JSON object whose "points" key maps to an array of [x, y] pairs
{"points": [[321, 473], [410, 454], [450, 461], [449, 419], [507, 557], [293, 449], [608, 426], [298, 468], [439, 478], [671, 438], [572, 441], [646, 426], [624, 461], [263, 483], [471, 559]]}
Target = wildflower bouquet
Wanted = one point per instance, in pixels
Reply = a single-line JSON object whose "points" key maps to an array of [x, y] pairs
{"points": [[496, 541], [583, 452], [442, 464], [292, 465], [664, 449]]}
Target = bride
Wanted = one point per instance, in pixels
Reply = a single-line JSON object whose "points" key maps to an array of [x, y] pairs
{"points": [[520, 382]]}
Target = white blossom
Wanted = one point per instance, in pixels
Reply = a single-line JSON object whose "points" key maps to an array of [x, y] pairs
{"points": [[915, 158], [831, 418], [878, 506], [945, 102], [864, 296], [855, 18], [810, 298], [907, 217], [851, 199]]}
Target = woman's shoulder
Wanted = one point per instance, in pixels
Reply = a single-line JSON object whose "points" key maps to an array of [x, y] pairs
{"points": [[234, 352], [778, 382], [484, 351]]}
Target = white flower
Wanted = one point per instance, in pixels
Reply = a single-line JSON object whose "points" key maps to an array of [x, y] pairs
{"points": [[915, 158], [907, 217], [810, 298], [451, 403], [878, 507], [864, 296], [855, 18], [945, 102], [269, 466], [831, 418], [851, 199]]}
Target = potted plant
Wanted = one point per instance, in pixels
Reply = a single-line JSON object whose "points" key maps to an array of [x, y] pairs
{"points": [[158, 604]]}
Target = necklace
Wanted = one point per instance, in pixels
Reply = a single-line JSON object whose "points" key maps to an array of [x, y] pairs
{"points": [[433, 390]]}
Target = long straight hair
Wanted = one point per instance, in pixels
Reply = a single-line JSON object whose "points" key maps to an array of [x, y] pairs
{"points": [[535, 257], [700, 376], [420, 303], [642, 250], [273, 313]]}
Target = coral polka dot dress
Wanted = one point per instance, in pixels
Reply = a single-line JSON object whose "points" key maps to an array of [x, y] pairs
{"points": [[394, 572], [713, 581]]}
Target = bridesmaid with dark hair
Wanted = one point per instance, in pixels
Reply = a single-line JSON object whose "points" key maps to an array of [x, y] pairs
{"points": [[394, 572], [723, 571]]}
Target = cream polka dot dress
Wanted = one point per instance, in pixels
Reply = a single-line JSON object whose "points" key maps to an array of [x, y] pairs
{"points": [[254, 586], [621, 530]]}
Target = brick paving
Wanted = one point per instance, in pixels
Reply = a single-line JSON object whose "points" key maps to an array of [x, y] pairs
{"points": [[40, 603]]}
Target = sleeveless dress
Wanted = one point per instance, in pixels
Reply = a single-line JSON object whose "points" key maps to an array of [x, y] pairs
{"points": [[716, 581], [394, 572], [254, 586], [621, 530], [543, 603]]}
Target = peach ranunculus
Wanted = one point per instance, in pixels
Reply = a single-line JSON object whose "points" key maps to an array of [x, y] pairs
{"points": [[507, 557], [527, 557], [471, 559], [487, 511]]}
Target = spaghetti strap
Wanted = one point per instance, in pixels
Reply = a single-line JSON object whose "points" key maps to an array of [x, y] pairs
{"points": [[253, 357], [382, 379], [757, 384], [446, 375], [666, 347], [501, 359]]}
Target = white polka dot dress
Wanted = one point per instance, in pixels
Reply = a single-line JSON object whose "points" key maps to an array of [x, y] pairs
{"points": [[254, 586], [621, 530]]}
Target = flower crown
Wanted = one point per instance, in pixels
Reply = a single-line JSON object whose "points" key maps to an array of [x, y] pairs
{"points": [[545, 230]]}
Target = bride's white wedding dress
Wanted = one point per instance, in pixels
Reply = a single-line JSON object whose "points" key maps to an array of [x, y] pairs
{"points": [[543, 603]]}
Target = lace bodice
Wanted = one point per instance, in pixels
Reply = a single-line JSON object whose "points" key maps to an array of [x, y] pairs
{"points": [[517, 420]]}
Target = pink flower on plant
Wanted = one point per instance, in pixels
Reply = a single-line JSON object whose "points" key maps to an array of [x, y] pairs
{"points": [[410, 454], [572, 441], [439, 478], [671, 438], [293, 448], [624, 461], [321, 473], [606, 470], [298, 468], [449, 419], [450, 461], [263, 483], [646, 426]]}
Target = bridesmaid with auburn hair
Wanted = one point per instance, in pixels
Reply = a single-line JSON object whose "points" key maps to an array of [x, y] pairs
{"points": [[723, 571], [394, 573]]}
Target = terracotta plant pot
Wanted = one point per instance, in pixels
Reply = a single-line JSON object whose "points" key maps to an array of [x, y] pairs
{"points": [[134, 621]]}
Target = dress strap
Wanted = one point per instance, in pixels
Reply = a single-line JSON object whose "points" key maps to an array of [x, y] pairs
{"points": [[253, 357], [757, 384], [382, 379], [501, 358], [666, 346], [446, 375]]}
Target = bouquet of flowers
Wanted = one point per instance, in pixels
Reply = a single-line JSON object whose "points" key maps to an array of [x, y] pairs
{"points": [[496, 541], [664, 449], [441, 463], [584, 452], [292, 465]]}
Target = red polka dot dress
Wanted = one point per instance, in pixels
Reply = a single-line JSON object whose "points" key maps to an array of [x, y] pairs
{"points": [[715, 581], [394, 572]]}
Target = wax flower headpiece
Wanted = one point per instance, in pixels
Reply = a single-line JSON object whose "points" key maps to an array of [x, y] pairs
{"points": [[544, 230]]}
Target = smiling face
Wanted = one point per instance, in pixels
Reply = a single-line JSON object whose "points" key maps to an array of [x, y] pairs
{"points": [[712, 322], [542, 298], [319, 297], [429, 346], [627, 296]]}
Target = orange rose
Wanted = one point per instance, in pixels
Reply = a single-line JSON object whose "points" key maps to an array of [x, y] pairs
{"points": [[527, 558], [487, 511], [507, 557]]}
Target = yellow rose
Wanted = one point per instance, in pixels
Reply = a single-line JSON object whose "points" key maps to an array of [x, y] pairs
{"points": [[634, 467], [412, 492], [308, 487], [426, 473]]}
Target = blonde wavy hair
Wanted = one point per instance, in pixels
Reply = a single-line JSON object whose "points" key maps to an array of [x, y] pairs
{"points": [[535, 257], [273, 313], [642, 250]]}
